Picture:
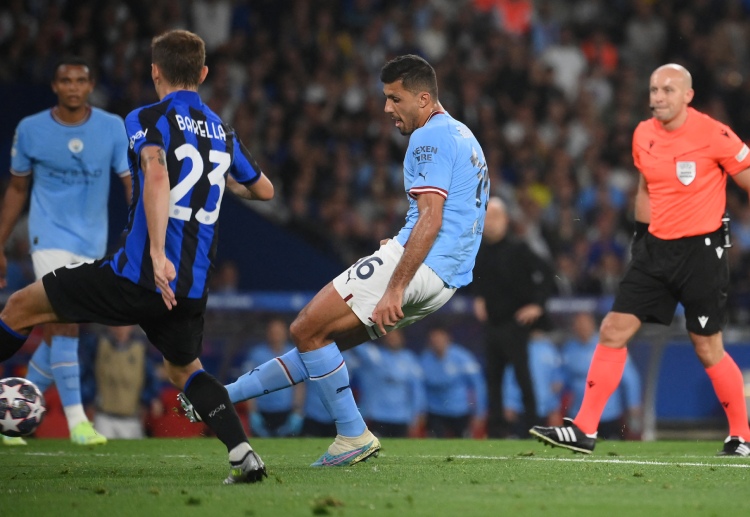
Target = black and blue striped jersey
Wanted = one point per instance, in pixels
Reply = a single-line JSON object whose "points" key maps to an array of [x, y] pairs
{"points": [[200, 151]]}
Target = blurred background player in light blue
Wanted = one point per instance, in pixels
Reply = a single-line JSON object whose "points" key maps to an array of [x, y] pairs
{"points": [[622, 416], [456, 391], [389, 385], [545, 364], [317, 421], [119, 377], [70, 151], [277, 413]]}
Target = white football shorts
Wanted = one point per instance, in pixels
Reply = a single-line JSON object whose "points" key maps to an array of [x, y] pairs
{"points": [[364, 283], [46, 261]]}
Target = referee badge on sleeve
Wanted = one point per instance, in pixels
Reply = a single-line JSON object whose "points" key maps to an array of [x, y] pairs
{"points": [[686, 172]]}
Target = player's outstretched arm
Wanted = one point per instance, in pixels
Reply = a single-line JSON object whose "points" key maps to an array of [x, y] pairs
{"points": [[13, 203], [261, 190], [388, 310], [156, 206]]}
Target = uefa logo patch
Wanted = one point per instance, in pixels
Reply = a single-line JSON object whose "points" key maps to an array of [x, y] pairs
{"points": [[686, 172], [75, 145]]}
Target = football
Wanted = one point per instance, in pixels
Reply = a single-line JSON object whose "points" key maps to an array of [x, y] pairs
{"points": [[21, 406]]}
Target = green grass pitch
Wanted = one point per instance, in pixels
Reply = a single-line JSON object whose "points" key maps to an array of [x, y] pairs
{"points": [[432, 478]]}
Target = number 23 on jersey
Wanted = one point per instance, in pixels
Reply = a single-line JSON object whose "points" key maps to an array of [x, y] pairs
{"points": [[217, 177]]}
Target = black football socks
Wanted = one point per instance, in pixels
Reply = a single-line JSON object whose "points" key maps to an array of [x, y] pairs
{"points": [[211, 401], [10, 341]]}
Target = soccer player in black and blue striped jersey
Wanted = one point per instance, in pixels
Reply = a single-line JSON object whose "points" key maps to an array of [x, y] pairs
{"points": [[180, 154]]}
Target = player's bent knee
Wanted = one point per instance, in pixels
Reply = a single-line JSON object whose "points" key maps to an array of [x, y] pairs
{"points": [[617, 329], [178, 375], [28, 307], [709, 349], [295, 330], [303, 332]]}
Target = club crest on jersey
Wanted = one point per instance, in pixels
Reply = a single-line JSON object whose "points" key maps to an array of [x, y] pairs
{"points": [[75, 145], [686, 172]]}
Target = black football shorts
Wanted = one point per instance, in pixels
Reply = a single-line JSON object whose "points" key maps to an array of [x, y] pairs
{"points": [[693, 271], [92, 292]]}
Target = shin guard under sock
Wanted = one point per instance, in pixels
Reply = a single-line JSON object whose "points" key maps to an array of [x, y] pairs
{"points": [[730, 389], [329, 376], [605, 373], [65, 369], [211, 401], [276, 374], [40, 368]]}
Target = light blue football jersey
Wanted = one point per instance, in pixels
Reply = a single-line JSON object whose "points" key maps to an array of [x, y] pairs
{"points": [[71, 168], [454, 383], [391, 388], [445, 158]]}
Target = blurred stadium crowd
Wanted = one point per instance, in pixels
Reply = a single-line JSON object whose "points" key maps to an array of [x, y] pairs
{"points": [[552, 88]]}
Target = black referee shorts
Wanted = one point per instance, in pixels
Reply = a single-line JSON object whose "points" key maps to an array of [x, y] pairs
{"points": [[693, 271], [92, 292]]}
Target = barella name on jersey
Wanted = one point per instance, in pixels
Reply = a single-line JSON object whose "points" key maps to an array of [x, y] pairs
{"points": [[201, 127]]}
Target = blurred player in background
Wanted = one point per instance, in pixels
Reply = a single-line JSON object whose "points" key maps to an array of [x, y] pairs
{"points": [[180, 154], [390, 386], [679, 255], [409, 277], [456, 394], [547, 378], [623, 411], [280, 413], [119, 378], [70, 151]]}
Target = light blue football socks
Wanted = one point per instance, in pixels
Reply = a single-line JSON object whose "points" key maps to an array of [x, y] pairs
{"points": [[40, 368], [276, 374], [67, 374], [329, 376], [65, 369]]}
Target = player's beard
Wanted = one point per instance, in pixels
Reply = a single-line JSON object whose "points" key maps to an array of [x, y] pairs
{"points": [[407, 129]]}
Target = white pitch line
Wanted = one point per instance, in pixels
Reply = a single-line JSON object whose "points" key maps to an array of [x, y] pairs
{"points": [[68, 453], [611, 461]]}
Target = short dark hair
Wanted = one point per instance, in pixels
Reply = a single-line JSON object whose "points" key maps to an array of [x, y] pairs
{"points": [[180, 55], [71, 61], [414, 72]]}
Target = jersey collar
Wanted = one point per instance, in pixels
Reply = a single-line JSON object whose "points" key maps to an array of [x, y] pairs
{"points": [[187, 96], [67, 124], [436, 112]]}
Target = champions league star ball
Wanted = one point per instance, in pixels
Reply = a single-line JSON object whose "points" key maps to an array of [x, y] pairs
{"points": [[21, 406]]}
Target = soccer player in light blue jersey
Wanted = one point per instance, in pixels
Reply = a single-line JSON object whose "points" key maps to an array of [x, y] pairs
{"points": [[71, 152], [390, 386], [455, 388], [278, 413], [624, 406], [409, 277], [547, 377]]}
